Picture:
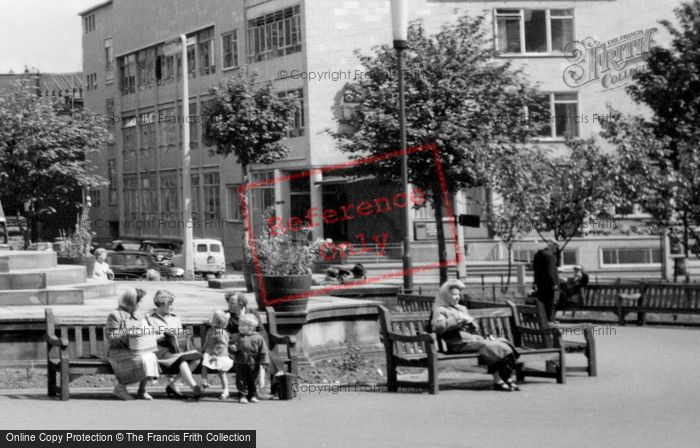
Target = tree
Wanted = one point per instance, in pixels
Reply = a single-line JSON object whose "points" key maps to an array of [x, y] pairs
{"points": [[510, 217], [457, 97], [580, 188], [249, 120], [660, 158], [43, 155]]}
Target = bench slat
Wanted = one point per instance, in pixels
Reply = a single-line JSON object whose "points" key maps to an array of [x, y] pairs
{"points": [[78, 341], [92, 334]]}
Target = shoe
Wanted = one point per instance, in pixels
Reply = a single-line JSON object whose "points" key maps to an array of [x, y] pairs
{"points": [[513, 386], [502, 387], [170, 390], [197, 392], [243, 400], [144, 396], [254, 400], [224, 396], [205, 385], [121, 392]]}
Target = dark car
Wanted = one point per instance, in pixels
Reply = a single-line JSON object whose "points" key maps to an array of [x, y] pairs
{"points": [[134, 265], [126, 244], [163, 250]]}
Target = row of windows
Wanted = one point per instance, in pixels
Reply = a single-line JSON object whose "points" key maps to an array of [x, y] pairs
{"points": [[610, 256], [141, 201], [270, 36]]}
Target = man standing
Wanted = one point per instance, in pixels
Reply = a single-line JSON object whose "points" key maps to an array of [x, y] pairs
{"points": [[546, 277]]}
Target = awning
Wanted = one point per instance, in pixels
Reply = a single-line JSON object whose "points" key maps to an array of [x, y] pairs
{"points": [[343, 180]]}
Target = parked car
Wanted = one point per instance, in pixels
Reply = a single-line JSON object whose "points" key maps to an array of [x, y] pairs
{"points": [[126, 244], [163, 250], [134, 265], [208, 257]]}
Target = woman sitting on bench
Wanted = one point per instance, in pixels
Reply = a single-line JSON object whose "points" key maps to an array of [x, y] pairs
{"points": [[452, 323], [129, 367]]}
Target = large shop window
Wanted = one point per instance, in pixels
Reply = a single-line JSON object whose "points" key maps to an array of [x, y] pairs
{"points": [[630, 255], [530, 31], [274, 35]]}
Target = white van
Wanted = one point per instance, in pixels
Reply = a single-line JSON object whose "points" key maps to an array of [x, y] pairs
{"points": [[208, 257]]}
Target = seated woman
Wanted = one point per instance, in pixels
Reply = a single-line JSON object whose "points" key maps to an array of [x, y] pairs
{"points": [[173, 356], [571, 289], [128, 368], [237, 308], [451, 322]]}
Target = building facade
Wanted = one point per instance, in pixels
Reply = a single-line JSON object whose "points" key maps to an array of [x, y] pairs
{"points": [[581, 54]]}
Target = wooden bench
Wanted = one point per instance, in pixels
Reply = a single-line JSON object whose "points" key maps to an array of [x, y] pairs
{"points": [[407, 344], [610, 298], [531, 317], [664, 298], [76, 346]]}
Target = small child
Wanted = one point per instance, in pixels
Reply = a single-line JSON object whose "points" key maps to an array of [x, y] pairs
{"points": [[215, 352], [250, 355]]}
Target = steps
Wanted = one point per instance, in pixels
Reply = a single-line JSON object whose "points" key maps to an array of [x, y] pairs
{"points": [[34, 278]]}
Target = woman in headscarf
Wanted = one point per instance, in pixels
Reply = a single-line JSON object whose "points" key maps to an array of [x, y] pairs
{"points": [[128, 367], [173, 356], [451, 322]]}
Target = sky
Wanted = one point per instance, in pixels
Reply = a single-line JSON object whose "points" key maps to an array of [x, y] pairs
{"points": [[41, 34]]}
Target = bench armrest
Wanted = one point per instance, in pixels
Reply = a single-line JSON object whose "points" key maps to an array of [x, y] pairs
{"points": [[276, 339], [54, 341]]}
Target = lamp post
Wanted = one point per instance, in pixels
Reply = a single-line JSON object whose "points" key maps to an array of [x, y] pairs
{"points": [[172, 48], [399, 21]]}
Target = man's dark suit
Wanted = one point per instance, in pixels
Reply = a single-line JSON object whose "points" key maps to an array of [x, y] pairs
{"points": [[546, 278]]}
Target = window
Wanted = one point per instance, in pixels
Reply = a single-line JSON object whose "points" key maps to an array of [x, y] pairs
{"points": [[563, 119], [528, 31], [274, 35], [130, 197], [109, 55], [205, 47], [166, 66], [233, 203], [201, 248], [147, 127], [169, 130], [214, 248], [194, 196], [149, 195], [109, 112], [170, 202], [229, 49], [112, 177], [128, 74], [129, 138], [212, 203], [569, 257], [95, 197], [194, 126], [91, 81], [296, 123], [89, 23], [630, 255], [191, 67]]}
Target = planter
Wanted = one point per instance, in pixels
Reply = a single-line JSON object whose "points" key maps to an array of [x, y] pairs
{"points": [[88, 261], [248, 272], [277, 286]]}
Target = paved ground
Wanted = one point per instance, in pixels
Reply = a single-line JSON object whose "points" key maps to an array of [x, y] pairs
{"points": [[646, 395]]}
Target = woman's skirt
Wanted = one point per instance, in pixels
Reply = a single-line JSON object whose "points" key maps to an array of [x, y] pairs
{"points": [[130, 368], [170, 362]]}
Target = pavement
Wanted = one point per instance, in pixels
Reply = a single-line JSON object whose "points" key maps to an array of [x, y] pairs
{"points": [[646, 395]]}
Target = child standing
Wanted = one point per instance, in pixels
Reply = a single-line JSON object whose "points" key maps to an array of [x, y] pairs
{"points": [[250, 355], [215, 352]]}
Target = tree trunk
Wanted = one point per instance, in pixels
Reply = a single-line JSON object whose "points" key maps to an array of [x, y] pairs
{"points": [[442, 251]]}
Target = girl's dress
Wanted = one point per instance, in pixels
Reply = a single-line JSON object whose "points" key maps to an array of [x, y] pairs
{"points": [[215, 350]]}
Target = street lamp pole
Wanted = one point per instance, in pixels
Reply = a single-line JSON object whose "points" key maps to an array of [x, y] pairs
{"points": [[186, 180], [399, 20]]}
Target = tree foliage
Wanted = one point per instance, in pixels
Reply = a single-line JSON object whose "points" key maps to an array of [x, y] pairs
{"points": [[249, 120], [44, 155], [457, 97]]}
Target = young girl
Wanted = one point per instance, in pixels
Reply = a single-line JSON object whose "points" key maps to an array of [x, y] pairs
{"points": [[215, 352]]}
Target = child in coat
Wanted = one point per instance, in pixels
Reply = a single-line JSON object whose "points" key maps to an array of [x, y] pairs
{"points": [[250, 355], [215, 352]]}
